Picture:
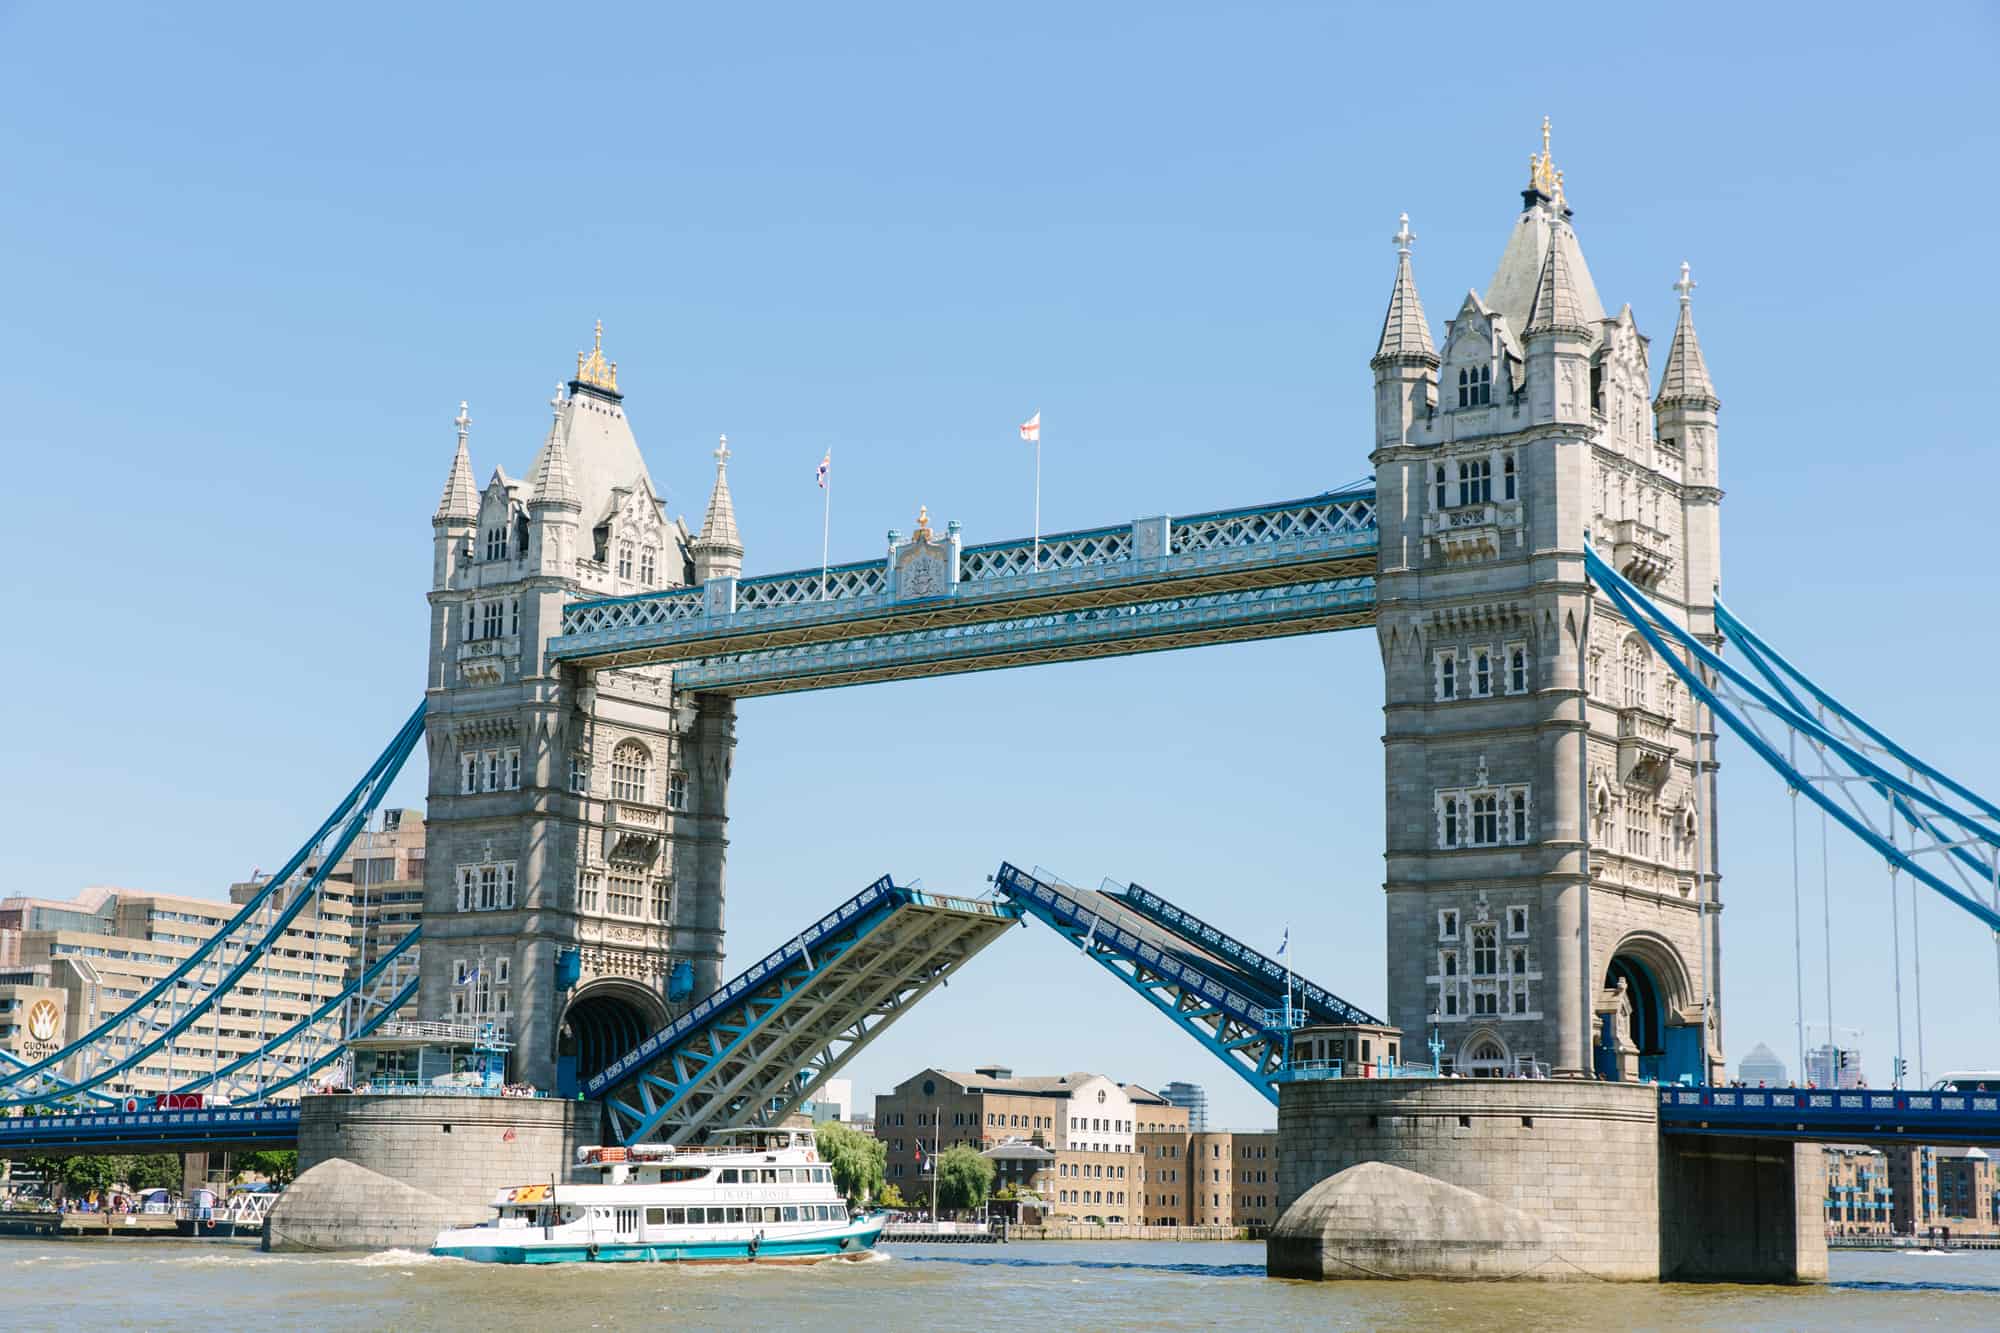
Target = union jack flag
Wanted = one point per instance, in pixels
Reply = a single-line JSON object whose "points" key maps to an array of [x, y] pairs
{"points": [[825, 466]]}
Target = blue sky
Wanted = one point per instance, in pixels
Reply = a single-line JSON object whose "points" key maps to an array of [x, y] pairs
{"points": [[252, 259]]}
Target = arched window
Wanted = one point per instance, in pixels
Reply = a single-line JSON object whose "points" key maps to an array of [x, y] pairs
{"points": [[1483, 392], [1485, 820], [631, 772], [1638, 674], [1485, 951], [1465, 388], [1517, 670], [647, 564], [1441, 482]]}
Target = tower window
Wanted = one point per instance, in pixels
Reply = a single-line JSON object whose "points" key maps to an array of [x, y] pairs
{"points": [[1485, 952], [1485, 820], [1507, 476], [631, 772], [624, 560], [1517, 816], [1464, 388], [647, 557], [1482, 674], [677, 790], [496, 543], [1517, 668], [1447, 925], [1447, 677], [1475, 481]]}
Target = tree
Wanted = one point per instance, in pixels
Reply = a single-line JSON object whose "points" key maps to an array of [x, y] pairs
{"points": [[891, 1198], [155, 1170], [277, 1165], [857, 1160], [964, 1178]]}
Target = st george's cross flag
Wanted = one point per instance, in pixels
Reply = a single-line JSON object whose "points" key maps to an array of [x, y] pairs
{"points": [[1031, 429]]}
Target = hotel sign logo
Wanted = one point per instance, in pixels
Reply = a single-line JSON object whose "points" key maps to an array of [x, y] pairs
{"points": [[44, 1030]]}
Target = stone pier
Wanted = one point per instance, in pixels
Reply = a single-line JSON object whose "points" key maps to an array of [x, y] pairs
{"points": [[1549, 1180], [391, 1172]]}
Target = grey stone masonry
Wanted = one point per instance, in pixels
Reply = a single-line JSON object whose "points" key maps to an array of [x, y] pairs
{"points": [[568, 809], [378, 1172], [1580, 1158], [1550, 844]]}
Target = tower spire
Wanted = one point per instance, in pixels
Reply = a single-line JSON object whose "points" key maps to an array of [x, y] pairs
{"points": [[461, 497], [593, 370], [552, 482], [1686, 377], [1556, 304], [718, 550], [1405, 331]]}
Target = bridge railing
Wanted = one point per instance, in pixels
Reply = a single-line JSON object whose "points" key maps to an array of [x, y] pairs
{"points": [[1015, 567]]}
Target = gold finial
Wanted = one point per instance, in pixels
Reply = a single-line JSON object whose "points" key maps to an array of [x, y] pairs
{"points": [[923, 532], [1542, 174], [594, 370]]}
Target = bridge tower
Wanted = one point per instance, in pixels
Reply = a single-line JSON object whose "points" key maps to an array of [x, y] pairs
{"points": [[570, 810], [1551, 858]]}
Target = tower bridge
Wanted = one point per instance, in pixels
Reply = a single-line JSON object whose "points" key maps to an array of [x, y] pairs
{"points": [[1538, 555]]}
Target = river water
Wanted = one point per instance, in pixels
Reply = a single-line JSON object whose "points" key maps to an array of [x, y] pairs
{"points": [[151, 1284]]}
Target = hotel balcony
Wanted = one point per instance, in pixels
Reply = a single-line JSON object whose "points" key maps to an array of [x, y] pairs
{"points": [[1645, 748]]}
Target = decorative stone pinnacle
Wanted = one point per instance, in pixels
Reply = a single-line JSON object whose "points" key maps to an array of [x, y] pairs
{"points": [[1404, 236], [463, 420], [722, 454], [1686, 285], [556, 402]]}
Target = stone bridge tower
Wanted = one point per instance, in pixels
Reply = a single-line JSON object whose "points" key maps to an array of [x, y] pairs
{"points": [[1551, 858], [576, 818]]}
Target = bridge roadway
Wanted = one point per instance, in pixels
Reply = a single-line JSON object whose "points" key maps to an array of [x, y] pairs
{"points": [[1291, 567]]}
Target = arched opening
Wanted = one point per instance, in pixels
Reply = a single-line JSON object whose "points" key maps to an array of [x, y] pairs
{"points": [[602, 1023], [1645, 1019], [1484, 1055]]}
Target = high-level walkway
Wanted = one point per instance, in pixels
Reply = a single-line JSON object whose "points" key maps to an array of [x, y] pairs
{"points": [[1265, 571]]}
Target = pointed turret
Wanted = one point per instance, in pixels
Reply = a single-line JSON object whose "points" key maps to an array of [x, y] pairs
{"points": [[1557, 304], [1405, 361], [1686, 378], [718, 551], [551, 484], [1405, 331], [461, 497]]}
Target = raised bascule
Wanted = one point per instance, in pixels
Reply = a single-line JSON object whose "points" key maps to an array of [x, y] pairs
{"points": [[1538, 556]]}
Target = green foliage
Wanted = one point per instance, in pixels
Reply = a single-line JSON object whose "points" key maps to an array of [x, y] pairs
{"points": [[964, 1178], [857, 1159], [891, 1197], [155, 1170], [277, 1165]]}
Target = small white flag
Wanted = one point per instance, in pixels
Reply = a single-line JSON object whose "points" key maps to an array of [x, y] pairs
{"points": [[1285, 943], [1031, 429], [825, 466]]}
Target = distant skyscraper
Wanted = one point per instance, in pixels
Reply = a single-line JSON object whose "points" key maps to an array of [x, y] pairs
{"points": [[1193, 1098], [1762, 1068], [1823, 1068]]}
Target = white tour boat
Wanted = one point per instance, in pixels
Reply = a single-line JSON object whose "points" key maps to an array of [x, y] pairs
{"points": [[750, 1195]]}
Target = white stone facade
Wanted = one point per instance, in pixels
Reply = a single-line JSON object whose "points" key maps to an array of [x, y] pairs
{"points": [[1549, 785]]}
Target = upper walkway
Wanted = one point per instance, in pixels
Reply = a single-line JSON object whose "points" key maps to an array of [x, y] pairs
{"points": [[933, 607]]}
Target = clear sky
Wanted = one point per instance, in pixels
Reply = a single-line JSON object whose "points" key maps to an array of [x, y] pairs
{"points": [[251, 260]]}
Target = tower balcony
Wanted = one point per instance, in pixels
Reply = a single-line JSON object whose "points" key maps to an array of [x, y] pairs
{"points": [[1643, 554], [1645, 748], [485, 661], [1478, 531], [632, 831]]}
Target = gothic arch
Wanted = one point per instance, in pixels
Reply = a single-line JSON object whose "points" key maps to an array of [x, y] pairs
{"points": [[606, 1018], [1657, 987], [1484, 1054]]}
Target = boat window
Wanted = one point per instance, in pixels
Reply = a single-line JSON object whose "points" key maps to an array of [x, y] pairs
{"points": [[736, 1214], [785, 1175], [656, 1217], [770, 1175], [791, 1213], [728, 1176], [676, 1217]]}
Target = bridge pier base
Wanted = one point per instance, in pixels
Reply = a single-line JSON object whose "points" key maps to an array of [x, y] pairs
{"points": [[1741, 1210], [1535, 1179]]}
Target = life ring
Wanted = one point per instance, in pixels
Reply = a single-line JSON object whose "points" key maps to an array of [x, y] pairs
{"points": [[209, 1222], [591, 1249]]}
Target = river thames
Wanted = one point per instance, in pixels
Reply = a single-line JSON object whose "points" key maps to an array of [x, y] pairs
{"points": [[165, 1283]]}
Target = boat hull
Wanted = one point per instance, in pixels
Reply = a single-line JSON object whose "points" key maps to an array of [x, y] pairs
{"points": [[850, 1244]]}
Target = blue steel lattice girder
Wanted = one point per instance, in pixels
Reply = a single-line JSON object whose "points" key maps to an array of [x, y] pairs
{"points": [[1230, 1026], [1263, 978], [1652, 624], [110, 1054], [769, 1054], [809, 1006]]}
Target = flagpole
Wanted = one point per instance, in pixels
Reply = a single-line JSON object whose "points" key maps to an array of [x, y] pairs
{"points": [[826, 522], [1038, 497]]}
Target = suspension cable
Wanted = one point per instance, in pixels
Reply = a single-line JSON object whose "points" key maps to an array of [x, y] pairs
{"points": [[1917, 958], [1826, 910], [1798, 946], [1896, 941]]}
